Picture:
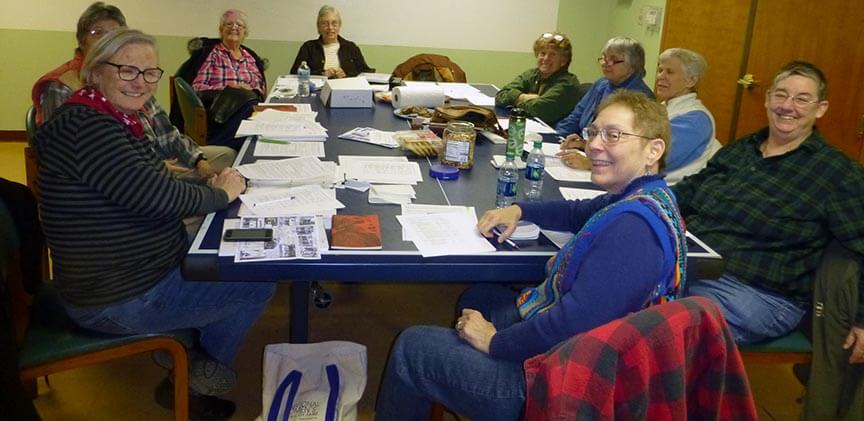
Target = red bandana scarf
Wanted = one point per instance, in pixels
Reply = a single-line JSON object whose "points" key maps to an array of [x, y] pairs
{"points": [[94, 99]]}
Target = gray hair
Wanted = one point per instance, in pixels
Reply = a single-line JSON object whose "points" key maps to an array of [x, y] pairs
{"points": [[805, 69], [234, 12], [325, 9], [107, 47], [97, 12], [634, 54], [693, 63]]}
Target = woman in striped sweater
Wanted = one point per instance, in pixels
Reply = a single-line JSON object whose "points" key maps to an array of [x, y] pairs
{"points": [[113, 214]]}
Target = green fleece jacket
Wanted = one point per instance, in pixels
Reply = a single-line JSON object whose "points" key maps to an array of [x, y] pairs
{"points": [[557, 94]]}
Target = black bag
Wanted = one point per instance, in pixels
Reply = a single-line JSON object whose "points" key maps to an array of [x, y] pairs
{"points": [[228, 102]]}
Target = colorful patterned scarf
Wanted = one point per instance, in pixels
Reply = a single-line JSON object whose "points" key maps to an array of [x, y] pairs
{"points": [[660, 202], [92, 98]]}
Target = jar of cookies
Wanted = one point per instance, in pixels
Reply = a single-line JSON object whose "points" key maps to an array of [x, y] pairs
{"points": [[458, 150]]}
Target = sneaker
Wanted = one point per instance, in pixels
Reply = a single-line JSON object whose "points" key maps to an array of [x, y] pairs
{"points": [[201, 407], [206, 375]]}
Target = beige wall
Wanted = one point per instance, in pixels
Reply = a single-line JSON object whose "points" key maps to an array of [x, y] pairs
{"points": [[37, 42]]}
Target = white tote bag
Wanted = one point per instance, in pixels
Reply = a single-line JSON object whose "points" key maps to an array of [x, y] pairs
{"points": [[313, 382]]}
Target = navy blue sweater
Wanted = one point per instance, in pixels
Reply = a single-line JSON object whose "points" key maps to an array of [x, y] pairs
{"points": [[617, 276]]}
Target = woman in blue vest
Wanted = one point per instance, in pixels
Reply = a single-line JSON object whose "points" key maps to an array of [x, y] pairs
{"points": [[628, 252]]}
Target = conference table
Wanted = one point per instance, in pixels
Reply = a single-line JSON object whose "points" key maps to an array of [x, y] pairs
{"points": [[398, 260]]}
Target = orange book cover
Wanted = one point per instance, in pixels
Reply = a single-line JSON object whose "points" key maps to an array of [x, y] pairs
{"points": [[355, 232]]}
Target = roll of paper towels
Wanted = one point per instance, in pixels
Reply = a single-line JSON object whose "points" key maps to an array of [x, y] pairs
{"points": [[418, 95]]}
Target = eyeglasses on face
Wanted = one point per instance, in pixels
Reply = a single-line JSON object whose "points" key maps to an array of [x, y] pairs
{"points": [[130, 73], [237, 25], [800, 101], [609, 135], [609, 60]]}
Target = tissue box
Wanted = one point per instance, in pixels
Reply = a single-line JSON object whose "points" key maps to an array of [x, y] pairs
{"points": [[352, 92]]}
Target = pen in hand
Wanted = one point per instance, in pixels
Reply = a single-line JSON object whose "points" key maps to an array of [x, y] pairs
{"points": [[508, 241]]}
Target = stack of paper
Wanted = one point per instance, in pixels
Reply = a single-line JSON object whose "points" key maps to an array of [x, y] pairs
{"points": [[294, 237], [290, 172], [279, 148], [498, 160], [380, 169], [370, 135], [376, 77], [391, 194], [561, 172], [525, 231], [418, 209], [572, 193], [440, 234], [295, 130], [311, 199]]}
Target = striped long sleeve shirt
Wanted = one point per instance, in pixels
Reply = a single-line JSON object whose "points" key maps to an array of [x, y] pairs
{"points": [[112, 213]]}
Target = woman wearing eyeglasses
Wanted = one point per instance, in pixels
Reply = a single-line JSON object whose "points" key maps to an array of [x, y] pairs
{"points": [[622, 61], [330, 54], [548, 91], [53, 89], [227, 76], [113, 217], [179, 153], [628, 252]]}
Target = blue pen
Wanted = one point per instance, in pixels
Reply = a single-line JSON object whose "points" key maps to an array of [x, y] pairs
{"points": [[508, 241]]}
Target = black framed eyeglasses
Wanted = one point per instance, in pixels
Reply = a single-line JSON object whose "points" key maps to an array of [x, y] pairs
{"points": [[129, 73], [609, 135], [609, 61]]}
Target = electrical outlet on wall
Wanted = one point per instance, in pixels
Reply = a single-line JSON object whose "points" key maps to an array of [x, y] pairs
{"points": [[649, 17]]}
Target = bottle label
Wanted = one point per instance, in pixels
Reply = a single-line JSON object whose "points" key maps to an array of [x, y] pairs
{"points": [[515, 136], [457, 151], [506, 188], [534, 173]]}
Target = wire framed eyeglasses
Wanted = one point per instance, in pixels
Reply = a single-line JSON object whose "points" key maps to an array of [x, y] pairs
{"points": [[609, 135]]}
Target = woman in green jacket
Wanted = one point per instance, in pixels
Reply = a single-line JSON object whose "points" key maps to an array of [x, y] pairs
{"points": [[548, 91]]}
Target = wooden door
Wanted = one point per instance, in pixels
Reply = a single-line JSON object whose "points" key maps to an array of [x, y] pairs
{"points": [[717, 30], [827, 33]]}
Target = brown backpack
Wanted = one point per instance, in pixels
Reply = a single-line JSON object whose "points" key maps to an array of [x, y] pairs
{"points": [[431, 68], [481, 117]]}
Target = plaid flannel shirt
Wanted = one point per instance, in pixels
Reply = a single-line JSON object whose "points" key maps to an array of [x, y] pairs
{"points": [[771, 218], [672, 361], [169, 143], [219, 69]]}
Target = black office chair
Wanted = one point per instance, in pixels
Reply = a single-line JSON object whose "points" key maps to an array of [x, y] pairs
{"points": [[192, 109], [30, 123]]}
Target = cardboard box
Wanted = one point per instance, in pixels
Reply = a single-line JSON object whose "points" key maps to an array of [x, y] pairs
{"points": [[352, 92]]}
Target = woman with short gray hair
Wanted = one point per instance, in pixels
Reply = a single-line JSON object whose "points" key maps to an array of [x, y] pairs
{"points": [[331, 55], [679, 72], [622, 61]]}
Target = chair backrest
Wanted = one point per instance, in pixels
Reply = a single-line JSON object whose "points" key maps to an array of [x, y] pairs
{"points": [[635, 365], [30, 124], [430, 67], [192, 109], [582, 90]]}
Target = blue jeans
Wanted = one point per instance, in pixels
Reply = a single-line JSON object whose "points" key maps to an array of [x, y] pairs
{"points": [[753, 314], [222, 311], [432, 364]]}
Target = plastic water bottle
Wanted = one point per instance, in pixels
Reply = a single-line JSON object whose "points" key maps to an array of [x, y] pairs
{"points": [[508, 181], [534, 171], [508, 174], [303, 76]]}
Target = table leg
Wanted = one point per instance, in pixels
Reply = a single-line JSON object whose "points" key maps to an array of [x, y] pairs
{"points": [[299, 312]]}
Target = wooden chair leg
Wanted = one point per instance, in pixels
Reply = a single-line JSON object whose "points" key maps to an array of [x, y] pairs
{"points": [[437, 413], [31, 388]]}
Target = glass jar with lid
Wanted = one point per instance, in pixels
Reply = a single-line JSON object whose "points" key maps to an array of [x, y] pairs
{"points": [[458, 150]]}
